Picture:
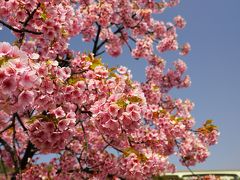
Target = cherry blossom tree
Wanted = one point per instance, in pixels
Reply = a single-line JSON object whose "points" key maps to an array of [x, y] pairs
{"points": [[98, 120]]}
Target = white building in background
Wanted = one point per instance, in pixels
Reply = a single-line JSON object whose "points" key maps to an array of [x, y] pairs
{"points": [[202, 175]]}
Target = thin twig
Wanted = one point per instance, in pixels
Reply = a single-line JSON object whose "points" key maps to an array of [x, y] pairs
{"points": [[29, 153], [98, 54], [20, 121], [128, 45], [96, 40], [109, 143], [8, 127], [19, 30], [4, 168], [86, 112], [185, 164], [31, 15], [9, 150], [103, 42], [14, 139], [130, 37]]}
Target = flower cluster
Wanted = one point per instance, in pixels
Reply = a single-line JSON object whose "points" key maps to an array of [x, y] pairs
{"points": [[45, 27], [96, 119], [51, 132], [87, 108]]}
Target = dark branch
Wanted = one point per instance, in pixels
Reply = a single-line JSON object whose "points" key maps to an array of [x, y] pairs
{"points": [[29, 153], [31, 32], [11, 152], [14, 141], [130, 37], [23, 30], [19, 30], [96, 40], [110, 144], [86, 112], [128, 45], [4, 168], [98, 54], [20, 121], [31, 15], [6, 128], [103, 42]]}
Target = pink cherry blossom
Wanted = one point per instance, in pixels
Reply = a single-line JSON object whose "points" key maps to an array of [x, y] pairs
{"points": [[168, 43], [185, 49], [58, 112], [179, 22], [26, 98], [28, 79], [9, 85], [113, 110], [5, 49]]}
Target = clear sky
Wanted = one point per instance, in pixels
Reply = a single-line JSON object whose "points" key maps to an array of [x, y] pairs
{"points": [[213, 29]]}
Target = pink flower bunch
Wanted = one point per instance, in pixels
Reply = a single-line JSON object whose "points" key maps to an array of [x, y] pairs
{"points": [[117, 114], [87, 108], [139, 166], [168, 43], [185, 49], [157, 80], [40, 171], [192, 150], [56, 21], [51, 132], [172, 3], [17, 79], [179, 22], [143, 48], [209, 138], [47, 26]]}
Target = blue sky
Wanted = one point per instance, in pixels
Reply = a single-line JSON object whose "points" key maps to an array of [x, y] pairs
{"points": [[213, 29]]}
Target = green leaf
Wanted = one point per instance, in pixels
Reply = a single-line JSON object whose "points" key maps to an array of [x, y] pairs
{"points": [[34, 118], [178, 119], [128, 82], [129, 151], [160, 5], [142, 157], [49, 167], [135, 99], [155, 88], [95, 63], [43, 16], [64, 32], [121, 103], [3, 60], [112, 69], [139, 155], [209, 121], [112, 74], [208, 127], [45, 118]]}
